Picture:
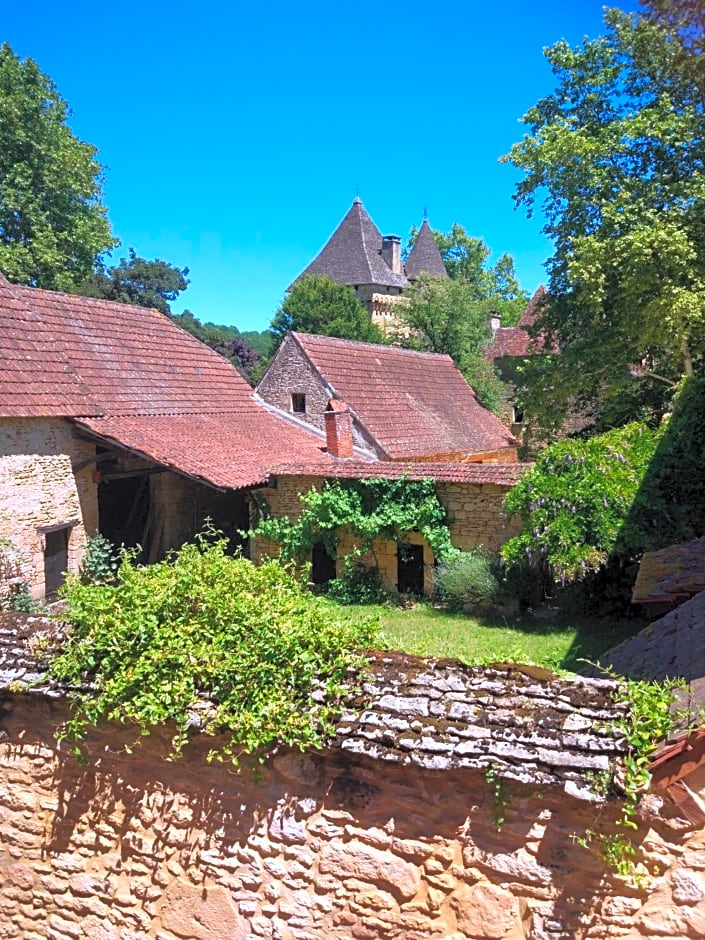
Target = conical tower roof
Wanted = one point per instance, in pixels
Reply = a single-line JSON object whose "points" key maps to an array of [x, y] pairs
{"points": [[352, 253], [425, 258]]}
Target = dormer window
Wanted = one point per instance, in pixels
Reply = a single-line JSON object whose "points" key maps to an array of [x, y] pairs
{"points": [[298, 403]]}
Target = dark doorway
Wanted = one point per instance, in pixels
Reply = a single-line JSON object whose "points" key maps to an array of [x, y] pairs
{"points": [[56, 559], [410, 569], [123, 510], [322, 564]]}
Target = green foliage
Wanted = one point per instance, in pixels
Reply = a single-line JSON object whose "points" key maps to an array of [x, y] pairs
{"points": [[367, 510], [466, 259], [356, 583], [648, 719], [316, 304], [203, 625], [138, 281], [576, 499], [447, 317], [53, 224], [469, 578], [499, 793], [100, 561], [616, 155]]}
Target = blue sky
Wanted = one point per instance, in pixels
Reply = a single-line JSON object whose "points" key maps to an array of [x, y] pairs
{"points": [[236, 135]]}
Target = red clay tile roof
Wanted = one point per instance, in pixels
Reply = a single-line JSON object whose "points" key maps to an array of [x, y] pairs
{"points": [[515, 340], [226, 450], [501, 474], [413, 404], [37, 378], [128, 360]]}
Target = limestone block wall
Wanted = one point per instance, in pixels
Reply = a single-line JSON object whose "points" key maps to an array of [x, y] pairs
{"points": [[476, 514], [318, 846], [39, 489]]}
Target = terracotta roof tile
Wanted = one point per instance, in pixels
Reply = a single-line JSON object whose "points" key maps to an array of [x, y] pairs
{"points": [[226, 450], [515, 340], [500, 474], [413, 404]]}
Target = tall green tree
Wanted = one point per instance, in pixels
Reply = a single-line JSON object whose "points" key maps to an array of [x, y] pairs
{"points": [[466, 259], [615, 157], [138, 281], [53, 223], [446, 317], [316, 304]]}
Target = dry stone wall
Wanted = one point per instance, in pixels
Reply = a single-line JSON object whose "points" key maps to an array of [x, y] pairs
{"points": [[39, 490], [313, 847]]}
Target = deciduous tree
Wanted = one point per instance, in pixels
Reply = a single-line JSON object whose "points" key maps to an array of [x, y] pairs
{"points": [[53, 223], [138, 281], [616, 158], [316, 304]]}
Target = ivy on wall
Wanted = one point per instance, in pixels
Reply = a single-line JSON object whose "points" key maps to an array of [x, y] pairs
{"points": [[366, 510]]}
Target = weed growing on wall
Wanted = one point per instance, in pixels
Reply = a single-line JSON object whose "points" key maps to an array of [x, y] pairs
{"points": [[203, 626]]}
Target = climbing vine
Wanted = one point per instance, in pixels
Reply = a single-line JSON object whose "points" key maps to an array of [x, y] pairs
{"points": [[366, 510], [247, 648], [647, 720]]}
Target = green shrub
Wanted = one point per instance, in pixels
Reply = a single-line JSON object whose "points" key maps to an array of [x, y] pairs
{"points": [[203, 625], [469, 578], [22, 601], [357, 584], [100, 561]]}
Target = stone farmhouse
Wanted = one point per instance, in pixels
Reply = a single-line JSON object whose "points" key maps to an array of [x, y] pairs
{"points": [[403, 404], [114, 420], [358, 254]]}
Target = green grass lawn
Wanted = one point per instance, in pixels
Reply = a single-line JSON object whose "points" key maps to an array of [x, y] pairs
{"points": [[561, 643]]}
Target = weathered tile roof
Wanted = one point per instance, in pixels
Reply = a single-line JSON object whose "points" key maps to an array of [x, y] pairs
{"points": [[124, 359], [352, 253], [515, 340], [413, 404], [523, 721], [424, 256], [228, 450], [671, 574], [37, 377], [499, 474]]}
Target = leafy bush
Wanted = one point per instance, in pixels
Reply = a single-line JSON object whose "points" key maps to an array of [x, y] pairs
{"points": [[202, 624], [470, 577], [356, 584], [22, 601], [100, 561], [575, 501]]}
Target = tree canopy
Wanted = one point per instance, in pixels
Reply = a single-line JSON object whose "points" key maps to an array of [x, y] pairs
{"points": [[138, 281], [446, 317], [466, 259], [53, 223], [615, 157], [316, 304]]}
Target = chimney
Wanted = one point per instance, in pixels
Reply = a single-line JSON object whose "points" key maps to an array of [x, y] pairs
{"points": [[495, 322], [339, 439], [391, 252]]}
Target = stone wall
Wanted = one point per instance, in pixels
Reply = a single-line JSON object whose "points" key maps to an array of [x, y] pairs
{"points": [[40, 490], [474, 510], [315, 847]]}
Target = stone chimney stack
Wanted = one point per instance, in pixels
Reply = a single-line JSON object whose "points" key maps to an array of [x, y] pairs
{"points": [[338, 421], [495, 322], [391, 252]]}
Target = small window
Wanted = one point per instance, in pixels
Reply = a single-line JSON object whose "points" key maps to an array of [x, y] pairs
{"points": [[517, 415], [298, 403]]}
